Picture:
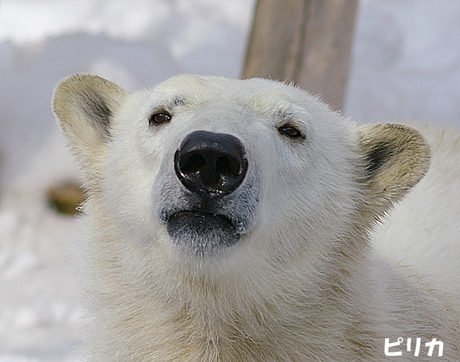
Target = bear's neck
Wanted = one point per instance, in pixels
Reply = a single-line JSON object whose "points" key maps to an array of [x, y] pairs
{"points": [[283, 327], [201, 321]]}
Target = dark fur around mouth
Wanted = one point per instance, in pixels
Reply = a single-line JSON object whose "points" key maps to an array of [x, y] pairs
{"points": [[202, 232]]}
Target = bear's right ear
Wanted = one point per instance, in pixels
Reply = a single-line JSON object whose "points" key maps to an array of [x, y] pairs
{"points": [[84, 106]]}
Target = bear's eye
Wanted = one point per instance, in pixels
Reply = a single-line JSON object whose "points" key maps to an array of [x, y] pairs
{"points": [[290, 132], [160, 118]]}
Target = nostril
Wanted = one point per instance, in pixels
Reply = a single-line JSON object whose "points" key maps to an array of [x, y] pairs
{"points": [[225, 167], [193, 163]]}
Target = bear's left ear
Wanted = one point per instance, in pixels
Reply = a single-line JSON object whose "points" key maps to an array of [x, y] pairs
{"points": [[84, 106], [396, 158]]}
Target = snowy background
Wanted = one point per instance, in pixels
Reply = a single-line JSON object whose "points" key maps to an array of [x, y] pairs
{"points": [[406, 65]]}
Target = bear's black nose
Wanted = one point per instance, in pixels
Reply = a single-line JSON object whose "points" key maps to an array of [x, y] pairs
{"points": [[210, 163]]}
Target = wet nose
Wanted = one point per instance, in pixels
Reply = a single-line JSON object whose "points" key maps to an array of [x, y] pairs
{"points": [[211, 163]]}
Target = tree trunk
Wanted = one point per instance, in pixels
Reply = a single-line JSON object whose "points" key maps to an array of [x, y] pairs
{"points": [[307, 42]]}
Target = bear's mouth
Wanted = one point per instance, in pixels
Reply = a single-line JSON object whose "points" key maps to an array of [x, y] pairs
{"points": [[202, 232]]}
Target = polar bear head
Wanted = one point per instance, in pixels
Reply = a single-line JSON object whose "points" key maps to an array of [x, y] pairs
{"points": [[249, 174]]}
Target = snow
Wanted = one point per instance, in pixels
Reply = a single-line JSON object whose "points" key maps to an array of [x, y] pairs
{"points": [[406, 65], [406, 62]]}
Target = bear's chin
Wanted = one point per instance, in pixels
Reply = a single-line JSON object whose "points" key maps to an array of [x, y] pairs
{"points": [[202, 233]]}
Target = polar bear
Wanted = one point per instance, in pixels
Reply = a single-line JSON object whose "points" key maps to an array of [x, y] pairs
{"points": [[243, 220]]}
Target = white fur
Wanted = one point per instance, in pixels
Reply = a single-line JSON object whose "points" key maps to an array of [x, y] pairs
{"points": [[422, 233], [305, 282]]}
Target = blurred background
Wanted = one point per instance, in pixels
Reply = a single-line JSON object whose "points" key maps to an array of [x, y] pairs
{"points": [[405, 66]]}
